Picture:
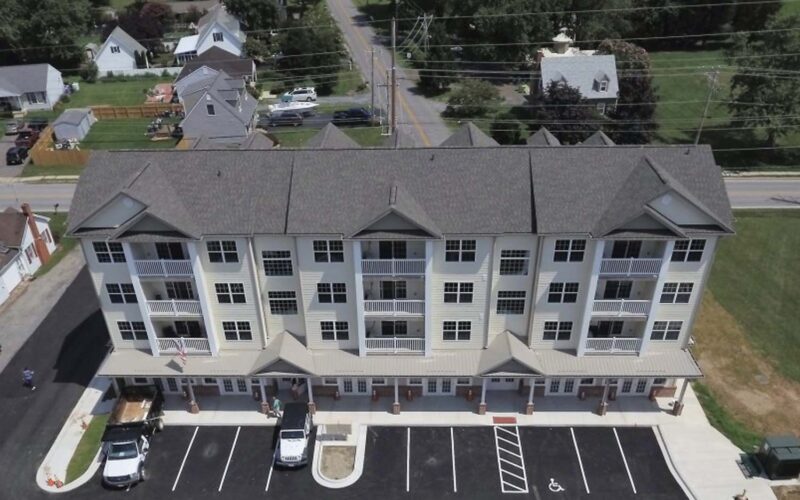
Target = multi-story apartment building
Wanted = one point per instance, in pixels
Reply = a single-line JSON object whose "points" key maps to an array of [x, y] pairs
{"points": [[553, 271]]}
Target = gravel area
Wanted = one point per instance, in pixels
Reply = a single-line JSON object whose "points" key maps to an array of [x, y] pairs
{"points": [[338, 461]]}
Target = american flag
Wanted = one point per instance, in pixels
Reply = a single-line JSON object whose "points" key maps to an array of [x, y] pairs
{"points": [[182, 351]]}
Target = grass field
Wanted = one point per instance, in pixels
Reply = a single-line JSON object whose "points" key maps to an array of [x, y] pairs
{"points": [[123, 134], [32, 170], [130, 93], [87, 448], [296, 138]]}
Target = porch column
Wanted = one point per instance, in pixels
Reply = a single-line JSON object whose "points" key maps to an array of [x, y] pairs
{"points": [[603, 408], [677, 407], [529, 405], [115, 385], [193, 407], [482, 406], [654, 302], [312, 406], [396, 404], [428, 296], [361, 329], [152, 336], [264, 401], [597, 260]]}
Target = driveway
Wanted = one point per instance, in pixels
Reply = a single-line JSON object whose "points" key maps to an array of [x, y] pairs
{"points": [[6, 143]]}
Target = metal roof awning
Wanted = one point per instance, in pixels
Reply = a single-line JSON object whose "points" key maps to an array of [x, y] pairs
{"points": [[136, 363], [667, 364]]}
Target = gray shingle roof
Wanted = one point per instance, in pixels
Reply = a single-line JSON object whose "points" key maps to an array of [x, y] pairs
{"points": [[542, 137], [124, 40], [331, 137], [582, 72], [16, 80], [219, 60], [399, 140], [72, 116], [225, 90], [598, 139], [468, 135]]}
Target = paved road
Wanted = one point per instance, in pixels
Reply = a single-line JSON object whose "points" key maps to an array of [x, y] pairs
{"points": [[416, 115], [42, 197], [764, 193]]}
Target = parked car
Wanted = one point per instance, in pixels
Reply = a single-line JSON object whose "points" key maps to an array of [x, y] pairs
{"points": [[26, 138], [302, 94], [16, 155], [296, 423], [352, 116], [38, 124], [12, 127], [292, 118]]}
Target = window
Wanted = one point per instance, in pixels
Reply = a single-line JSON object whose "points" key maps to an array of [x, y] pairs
{"points": [[514, 262], [237, 330], [587, 381], [172, 384], [115, 49], [392, 250], [330, 381], [626, 385], [170, 251], [510, 302], [230, 293], [688, 250], [456, 330], [569, 385], [393, 290], [663, 330], [463, 381], [30, 253], [641, 385], [277, 262], [460, 293], [46, 236], [217, 36], [659, 381], [188, 329], [459, 250], [379, 381], [132, 330], [617, 290], [569, 250], [563, 292], [676, 293], [282, 303], [210, 110], [121, 293], [624, 249], [605, 329], [222, 251], [415, 381], [332, 292], [227, 385], [393, 328], [334, 330], [604, 86], [241, 384], [328, 251], [557, 330], [108, 251], [555, 385]]}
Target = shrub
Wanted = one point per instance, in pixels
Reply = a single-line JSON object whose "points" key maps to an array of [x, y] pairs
{"points": [[473, 98], [89, 72], [506, 130]]}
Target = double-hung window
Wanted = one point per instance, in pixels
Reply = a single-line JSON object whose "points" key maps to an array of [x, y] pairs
{"points": [[334, 330], [557, 330], [237, 330], [332, 293], [514, 262], [569, 250], [222, 251], [108, 251], [230, 293], [282, 303], [459, 250], [666, 330], [277, 262], [121, 293], [676, 293], [217, 36], [563, 292], [132, 330], [510, 302], [688, 250], [455, 293], [456, 330], [114, 49], [328, 251]]}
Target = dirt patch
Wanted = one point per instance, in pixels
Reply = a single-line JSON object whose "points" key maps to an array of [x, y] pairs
{"points": [[338, 461], [743, 381], [787, 492]]}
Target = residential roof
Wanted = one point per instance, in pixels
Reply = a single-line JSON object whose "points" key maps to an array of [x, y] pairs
{"points": [[331, 137], [400, 140], [219, 60], [186, 44], [256, 140], [284, 354], [507, 354], [598, 139], [225, 90], [217, 14], [672, 363], [12, 227], [542, 137], [72, 116], [17, 80], [124, 40], [471, 190], [583, 73], [469, 135]]}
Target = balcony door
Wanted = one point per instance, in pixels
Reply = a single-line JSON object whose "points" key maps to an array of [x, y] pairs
{"points": [[393, 290], [355, 386], [394, 328], [170, 251], [179, 290], [392, 250], [626, 249], [605, 329], [616, 290]]}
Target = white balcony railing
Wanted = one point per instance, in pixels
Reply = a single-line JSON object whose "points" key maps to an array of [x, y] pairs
{"points": [[630, 267], [147, 268], [186, 345], [174, 308], [622, 307], [394, 307], [625, 345], [393, 267], [394, 345]]}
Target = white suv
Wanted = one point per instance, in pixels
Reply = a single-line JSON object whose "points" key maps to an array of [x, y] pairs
{"points": [[306, 94]]}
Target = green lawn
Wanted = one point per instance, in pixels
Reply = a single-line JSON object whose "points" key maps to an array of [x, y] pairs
{"points": [[87, 448], [123, 134], [112, 93], [297, 137], [349, 82], [790, 8], [58, 226], [32, 170], [723, 421], [755, 278]]}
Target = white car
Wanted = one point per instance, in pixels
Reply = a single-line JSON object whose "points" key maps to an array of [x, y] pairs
{"points": [[305, 94], [125, 462]]}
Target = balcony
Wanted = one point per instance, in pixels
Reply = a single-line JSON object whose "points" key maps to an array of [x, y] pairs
{"points": [[394, 307], [621, 308], [613, 345], [189, 345], [174, 308], [630, 267], [395, 345], [392, 267], [163, 268]]}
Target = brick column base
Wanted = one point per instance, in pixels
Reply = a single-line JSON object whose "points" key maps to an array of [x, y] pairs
{"points": [[482, 409], [193, 408], [395, 408], [677, 409], [265, 408], [312, 407], [529, 408], [602, 409]]}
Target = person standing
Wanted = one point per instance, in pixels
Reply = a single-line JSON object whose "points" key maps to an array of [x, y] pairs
{"points": [[276, 407], [27, 378]]}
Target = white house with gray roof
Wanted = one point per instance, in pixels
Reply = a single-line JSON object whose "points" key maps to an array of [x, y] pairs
{"points": [[30, 87], [217, 28], [118, 53], [568, 271]]}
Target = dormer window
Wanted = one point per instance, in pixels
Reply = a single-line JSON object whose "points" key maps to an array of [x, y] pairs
{"points": [[210, 110], [603, 86], [217, 36], [115, 49]]}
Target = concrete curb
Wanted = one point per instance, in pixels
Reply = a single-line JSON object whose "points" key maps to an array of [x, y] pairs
{"points": [[39, 178], [358, 466], [671, 465]]}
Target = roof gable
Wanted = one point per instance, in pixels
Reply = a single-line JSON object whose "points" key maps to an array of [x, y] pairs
{"points": [[507, 354], [331, 137], [598, 139], [285, 354], [122, 39], [402, 214], [469, 135], [542, 137]]}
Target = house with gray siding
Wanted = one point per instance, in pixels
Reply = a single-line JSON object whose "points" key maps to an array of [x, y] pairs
{"points": [[30, 87]]}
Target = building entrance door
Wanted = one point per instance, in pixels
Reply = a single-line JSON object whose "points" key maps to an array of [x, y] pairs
{"points": [[438, 387]]}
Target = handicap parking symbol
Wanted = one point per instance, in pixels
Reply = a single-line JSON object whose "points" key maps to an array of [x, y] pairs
{"points": [[554, 486]]}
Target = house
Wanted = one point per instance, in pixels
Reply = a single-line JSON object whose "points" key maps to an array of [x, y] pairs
{"points": [[73, 124], [595, 76], [218, 108], [214, 60], [120, 52], [29, 87], [215, 29], [531, 272], [25, 244]]}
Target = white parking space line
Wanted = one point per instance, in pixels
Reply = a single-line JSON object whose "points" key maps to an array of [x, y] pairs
{"points": [[271, 468], [408, 459], [453, 454], [625, 461], [511, 467], [185, 456], [580, 462], [230, 455]]}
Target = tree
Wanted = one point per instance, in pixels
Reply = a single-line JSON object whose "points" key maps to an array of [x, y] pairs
{"points": [[506, 130], [637, 96], [55, 28], [314, 53], [473, 98], [257, 15], [609, 23], [762, 93], [435, 59], [565, 112], [145, 22], [88, 72]]}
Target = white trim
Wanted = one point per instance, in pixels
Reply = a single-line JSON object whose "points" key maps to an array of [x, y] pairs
{"points": [[583, 324]]}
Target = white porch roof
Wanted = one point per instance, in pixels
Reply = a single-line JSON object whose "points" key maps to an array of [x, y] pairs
{"points": [[186, 44]]}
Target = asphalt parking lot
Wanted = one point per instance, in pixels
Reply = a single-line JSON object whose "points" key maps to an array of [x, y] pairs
{"points": [[418, 462]]}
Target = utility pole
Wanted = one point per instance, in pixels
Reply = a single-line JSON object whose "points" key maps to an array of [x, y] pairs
{"points": [[712, 86], [393, 122], [372, 80]]}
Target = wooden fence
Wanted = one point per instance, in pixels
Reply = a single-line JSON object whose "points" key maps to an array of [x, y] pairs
{"points": [[142, 111], [44, 153]]}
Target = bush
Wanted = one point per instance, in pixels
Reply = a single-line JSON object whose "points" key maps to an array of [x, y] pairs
{"points": [[109, 74], [506, 130], [64, 99], [89, 72], [473, 98]]}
